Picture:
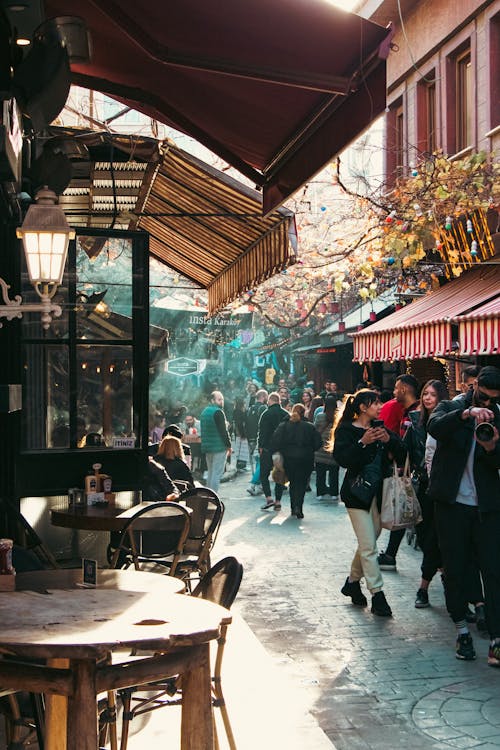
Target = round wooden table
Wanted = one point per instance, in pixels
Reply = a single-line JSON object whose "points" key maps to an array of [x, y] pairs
{"points": [[50, 618], [93, 517]]}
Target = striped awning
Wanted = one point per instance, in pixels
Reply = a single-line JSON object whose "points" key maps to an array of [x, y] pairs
{"points": [[209, 227], [479, 331], [424, 328]]}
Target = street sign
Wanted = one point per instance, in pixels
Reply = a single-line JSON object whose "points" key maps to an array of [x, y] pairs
{"points": [[182, 366]]}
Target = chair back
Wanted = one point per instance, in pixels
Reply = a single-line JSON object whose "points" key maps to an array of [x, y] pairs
{"points": [[156, 533], [207, 512], [222, 582]]}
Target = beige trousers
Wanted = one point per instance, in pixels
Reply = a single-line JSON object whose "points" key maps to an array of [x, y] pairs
{"points": [[367, 528]]}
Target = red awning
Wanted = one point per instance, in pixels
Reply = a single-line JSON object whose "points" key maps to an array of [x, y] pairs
{"points": [[275, 89], [423, 328], [479, 331]]}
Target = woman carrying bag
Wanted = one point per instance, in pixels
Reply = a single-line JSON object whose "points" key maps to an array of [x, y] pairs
{"points": [[327, 469], [297, 440], [366, 449]]}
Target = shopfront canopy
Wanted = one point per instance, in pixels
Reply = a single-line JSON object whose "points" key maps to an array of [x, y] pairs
{"points": [[274, 88], [479, 331], [202, 223], [424, 328]]}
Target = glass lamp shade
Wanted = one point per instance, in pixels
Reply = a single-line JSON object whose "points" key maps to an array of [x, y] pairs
{"points": [[45, 234]]}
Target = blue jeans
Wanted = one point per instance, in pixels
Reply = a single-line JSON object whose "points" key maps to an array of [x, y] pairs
{"points": [[216, 463], [256, 475]]}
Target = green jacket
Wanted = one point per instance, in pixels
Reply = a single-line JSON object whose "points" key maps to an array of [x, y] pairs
{"points": [[214, 435]]}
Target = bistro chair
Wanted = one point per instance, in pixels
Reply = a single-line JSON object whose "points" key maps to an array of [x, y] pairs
{"points": [[154, 536], [207, 511], [220, 585]]}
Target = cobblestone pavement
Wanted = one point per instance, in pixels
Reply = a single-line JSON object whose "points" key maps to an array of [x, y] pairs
{"points": [[369, 682]]}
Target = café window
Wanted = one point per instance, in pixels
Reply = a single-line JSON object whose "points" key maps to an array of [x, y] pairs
{"points": [[86, 376]]}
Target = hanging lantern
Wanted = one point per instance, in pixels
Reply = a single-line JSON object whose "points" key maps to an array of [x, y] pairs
{"points": [[414, 172], [341, 326], [390, 218], [300, 303], [359, 327], [473, 248], [398, 306], [334, 307], [469, 226], [373, 316], [448, 223], [322, 308]]}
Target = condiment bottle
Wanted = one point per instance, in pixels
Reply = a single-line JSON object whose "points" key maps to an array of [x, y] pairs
{"points": [[6, 567]]}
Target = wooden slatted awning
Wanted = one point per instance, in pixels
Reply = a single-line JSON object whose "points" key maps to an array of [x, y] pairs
{"points": [[209, 227], [202, 223]]}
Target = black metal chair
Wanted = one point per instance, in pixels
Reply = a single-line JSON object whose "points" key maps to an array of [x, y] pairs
{"points": [[207, 511], [220, 585], [154, 536]]}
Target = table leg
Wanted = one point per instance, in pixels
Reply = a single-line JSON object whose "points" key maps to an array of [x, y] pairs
{"points": [[56, 712], [196, 722], [82, 707]]}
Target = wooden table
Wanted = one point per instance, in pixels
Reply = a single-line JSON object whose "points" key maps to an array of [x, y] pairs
{"points": [[127, 610], [93, 517]]}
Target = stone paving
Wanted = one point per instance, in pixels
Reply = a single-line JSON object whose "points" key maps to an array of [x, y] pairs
{"points": [[369, 682]]}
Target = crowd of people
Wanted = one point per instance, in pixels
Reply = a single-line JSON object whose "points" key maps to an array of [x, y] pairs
{"points": [[453, 449]]}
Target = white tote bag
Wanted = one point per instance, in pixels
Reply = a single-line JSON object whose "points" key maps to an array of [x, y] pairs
{"points": [[400, 506]]}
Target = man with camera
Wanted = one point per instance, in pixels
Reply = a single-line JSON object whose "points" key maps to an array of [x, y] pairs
{"points": [[465, 485]]}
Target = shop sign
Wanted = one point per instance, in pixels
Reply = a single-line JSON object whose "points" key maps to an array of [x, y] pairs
{"points": [[182, 366], [124, 442]]}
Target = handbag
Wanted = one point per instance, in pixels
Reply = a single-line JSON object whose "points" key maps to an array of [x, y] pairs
{"points": [[400, 506], [363, 486], [361, 489], [278, 473]]}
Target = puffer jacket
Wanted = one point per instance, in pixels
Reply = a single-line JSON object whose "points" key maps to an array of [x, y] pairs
{"points": [[454, 437]]}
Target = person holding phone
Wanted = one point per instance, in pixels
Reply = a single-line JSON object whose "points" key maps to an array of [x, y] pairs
{"points": [[362, 444]]}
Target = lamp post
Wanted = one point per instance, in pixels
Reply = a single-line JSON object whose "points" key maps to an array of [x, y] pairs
{"points": [[45, 235]]}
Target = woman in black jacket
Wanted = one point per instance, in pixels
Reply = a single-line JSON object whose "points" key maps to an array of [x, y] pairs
{"points": [[171, 456], [365, 449], [297, 440]]}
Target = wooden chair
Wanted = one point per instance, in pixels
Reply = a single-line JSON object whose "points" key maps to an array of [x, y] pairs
{"points": [[154, 536], [207, 511], [220, 585]]}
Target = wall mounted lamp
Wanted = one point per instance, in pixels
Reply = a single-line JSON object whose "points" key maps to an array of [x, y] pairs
{"points": [[45, 235]]}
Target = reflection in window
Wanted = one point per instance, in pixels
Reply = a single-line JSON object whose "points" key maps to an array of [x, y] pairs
{"points": [[104, 287], [104, 400], [79, 389], [46, 397]]}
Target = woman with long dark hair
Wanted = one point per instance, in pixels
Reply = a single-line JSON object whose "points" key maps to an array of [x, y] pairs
{"points": [[297, 440], [421, 450], [366, 449]]}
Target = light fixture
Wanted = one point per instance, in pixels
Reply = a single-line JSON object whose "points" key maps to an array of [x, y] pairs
{"points": [[45, 234]]}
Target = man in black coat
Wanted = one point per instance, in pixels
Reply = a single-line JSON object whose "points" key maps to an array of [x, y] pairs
{"points": [[465, 485], [268, 423]]}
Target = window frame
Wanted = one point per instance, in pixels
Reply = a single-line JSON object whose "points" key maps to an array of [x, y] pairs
{"points": [[42, 471]]}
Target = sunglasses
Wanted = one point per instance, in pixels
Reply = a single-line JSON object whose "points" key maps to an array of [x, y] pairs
{"points": [[484, 397]]}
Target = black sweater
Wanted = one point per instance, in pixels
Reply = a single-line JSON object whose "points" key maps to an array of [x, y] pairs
{"points": [[454, 437], [348, 452]]}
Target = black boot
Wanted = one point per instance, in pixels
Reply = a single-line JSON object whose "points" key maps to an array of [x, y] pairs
{"points": [[380, 606], [353, 590]]}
